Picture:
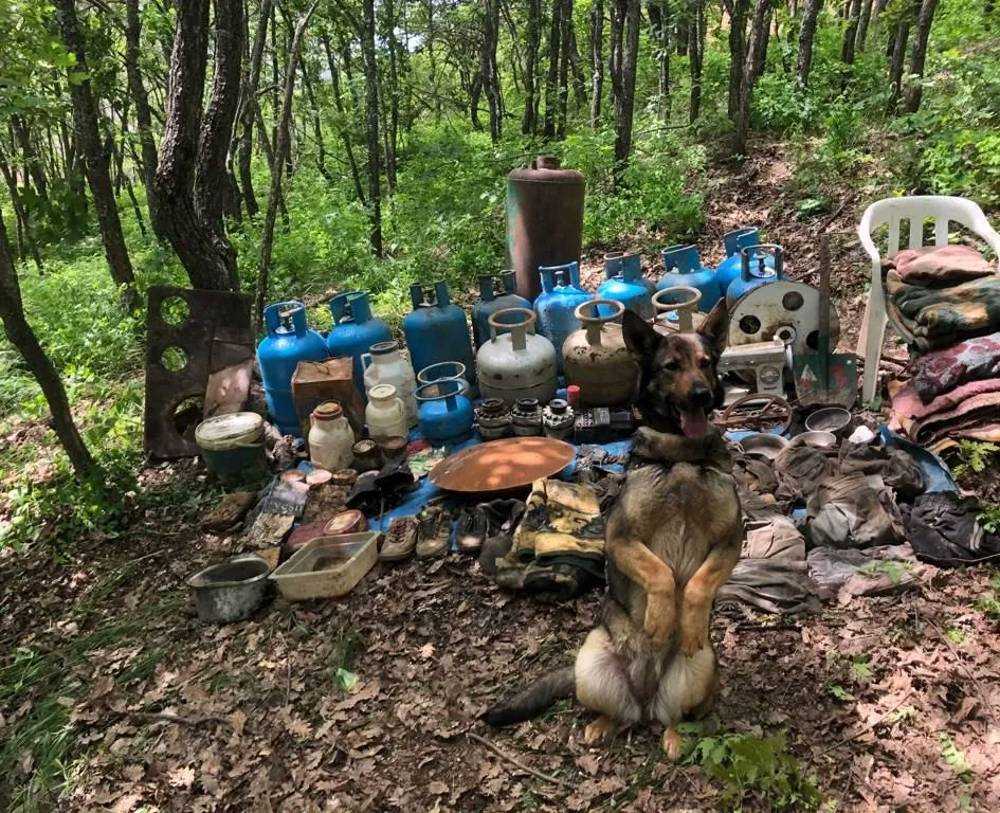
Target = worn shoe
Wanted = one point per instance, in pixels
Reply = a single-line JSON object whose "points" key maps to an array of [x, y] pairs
{"points": [[472, 528], [433, 532], [400, 540]]}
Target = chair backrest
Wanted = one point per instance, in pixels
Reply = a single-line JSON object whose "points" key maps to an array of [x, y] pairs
{"points": [[916, 211]]}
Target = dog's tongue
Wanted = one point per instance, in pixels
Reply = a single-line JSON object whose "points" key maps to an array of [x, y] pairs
{"points": [[694, 424]]}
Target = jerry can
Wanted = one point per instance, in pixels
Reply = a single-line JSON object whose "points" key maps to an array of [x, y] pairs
{"points": [[623, 282], [683, 269], [288, 341], [436, 331], [755, 271], [516, 362], [596, 358], [354, 330], [493, 297], [556, 305]]}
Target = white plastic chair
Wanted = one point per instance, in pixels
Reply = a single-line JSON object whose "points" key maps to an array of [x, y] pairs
{"points": [[892, 211]]}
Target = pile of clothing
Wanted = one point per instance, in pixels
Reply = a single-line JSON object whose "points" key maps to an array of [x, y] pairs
{"points": [[945, 300]]}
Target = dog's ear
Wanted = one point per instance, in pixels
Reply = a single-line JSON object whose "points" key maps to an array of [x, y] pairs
{"points": [[640, 338], [715, 327]]}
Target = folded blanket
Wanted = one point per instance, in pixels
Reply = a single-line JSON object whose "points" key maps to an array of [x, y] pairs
{"points": [[931, 318], [938, 266], [909, 411], [939, 371]]}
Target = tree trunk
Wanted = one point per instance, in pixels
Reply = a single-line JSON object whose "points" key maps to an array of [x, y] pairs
{"points": [[488, 66], [96, 161], [23, 218], [392, 124], [316, 125], [737, 53], [20, 334], [372, 125], [896, 63], [628, 11], [565, 29], [32, 163], [533, 29], [143, 115], [205, 254], [552, 77], [850, 32], [659, 36], [806, 36], [596, 61], [575, 63], [755, 55], [695, 47], [248, 107], [863, 23], [344, 136], [915, 86], [281, 147]]}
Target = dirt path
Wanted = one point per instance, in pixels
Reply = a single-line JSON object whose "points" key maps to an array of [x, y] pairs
{"points": [[111, 686]]}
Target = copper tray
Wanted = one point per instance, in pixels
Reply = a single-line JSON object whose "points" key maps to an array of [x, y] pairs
{"points": [[502, 465]]}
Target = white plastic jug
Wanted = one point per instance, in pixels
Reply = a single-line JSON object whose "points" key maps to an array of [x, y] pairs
{"points": [[387, 364], [330, 437], [385, 413]]}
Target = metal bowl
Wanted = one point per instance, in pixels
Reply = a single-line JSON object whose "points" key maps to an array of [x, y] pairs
{"points": [[763, 444], [818, 439], [231, 590], [829, 419]]}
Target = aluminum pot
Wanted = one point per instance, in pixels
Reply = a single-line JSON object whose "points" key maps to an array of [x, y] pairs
{"points": [[231, 590], [596, 358]]}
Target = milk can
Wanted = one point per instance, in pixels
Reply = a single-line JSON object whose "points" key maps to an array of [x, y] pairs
{"points": [[385, 414], [596, 358], [518, 363], [386, 364], [330, 437], [556, 305], [493, 298]]}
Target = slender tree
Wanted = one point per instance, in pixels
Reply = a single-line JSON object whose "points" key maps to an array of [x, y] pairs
{"points": [[863, 23], [694, 47], [623, 81], [96, 157], [810, 17], [915, 88], [596, 49], [754, 59], [533, 38], [737, 50], [20, 334]]}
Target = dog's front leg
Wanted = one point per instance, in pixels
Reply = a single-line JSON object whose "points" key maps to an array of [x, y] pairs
{"points": [[699, 593], [655, 577]]}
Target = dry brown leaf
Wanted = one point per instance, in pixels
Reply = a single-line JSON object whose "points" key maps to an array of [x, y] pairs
{"points": [[181, 777]]}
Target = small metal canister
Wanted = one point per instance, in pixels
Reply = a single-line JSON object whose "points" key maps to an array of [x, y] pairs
{"points": [[367, 455], [557, 419], [526, 417], [493, 419]]}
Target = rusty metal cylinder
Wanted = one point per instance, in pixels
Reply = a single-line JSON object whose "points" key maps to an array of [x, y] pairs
{"points": [[544, 220], [596, 359]]}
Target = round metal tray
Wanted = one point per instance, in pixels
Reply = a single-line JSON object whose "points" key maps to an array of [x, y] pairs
{"points": [[502, 465]]}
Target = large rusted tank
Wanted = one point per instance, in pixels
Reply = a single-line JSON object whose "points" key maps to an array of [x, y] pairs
{"points": [[544, 220]]}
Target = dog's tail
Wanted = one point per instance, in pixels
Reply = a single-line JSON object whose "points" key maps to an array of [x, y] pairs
{"points": [[532, 701]]}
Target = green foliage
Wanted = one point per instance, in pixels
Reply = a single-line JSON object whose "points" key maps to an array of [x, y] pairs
{"points": [[955, 757], [974, 456], [749, 766], [989, 602]]}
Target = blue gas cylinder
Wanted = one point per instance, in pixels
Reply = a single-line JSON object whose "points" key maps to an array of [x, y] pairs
{"points": [[557, 303], [437, 331], [623, 282], [445, 411], [682, 267], [729, 268], [493, 298], [288, 341], [755, 271], [354, 330]]}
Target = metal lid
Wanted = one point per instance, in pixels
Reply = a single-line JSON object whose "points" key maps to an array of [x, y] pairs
{"points": [[363, 447], [327, 411], [229, 431], [382, 391], [346, 522]]}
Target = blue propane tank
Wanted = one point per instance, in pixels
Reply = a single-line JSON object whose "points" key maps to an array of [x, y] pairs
{"points": [[729, 268], [623, 282], [557, 303], [755, 271], [288, 341], [437, 331], [682, 267], [493, 298], [354, 330]]}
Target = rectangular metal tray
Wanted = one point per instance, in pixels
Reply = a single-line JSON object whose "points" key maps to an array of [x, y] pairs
{"points": [[352, 556]]}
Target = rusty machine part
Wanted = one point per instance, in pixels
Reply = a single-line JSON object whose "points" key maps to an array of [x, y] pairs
{"points": [[756, 412], [783, 310], [683, 302], [190, 336], [502, 465], [764, 361], [544, 220]]}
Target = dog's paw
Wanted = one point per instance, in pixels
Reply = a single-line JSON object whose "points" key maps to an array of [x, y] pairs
{"points": [[672, 744], [602, 728], [694, 638], [644, 442], [658, 623]]}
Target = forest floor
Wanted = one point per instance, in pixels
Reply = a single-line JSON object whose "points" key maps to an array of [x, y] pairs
{"points": [[111, 685]]}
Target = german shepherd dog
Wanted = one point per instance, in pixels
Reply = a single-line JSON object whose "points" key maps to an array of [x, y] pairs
{"points": [[672, 540]]}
